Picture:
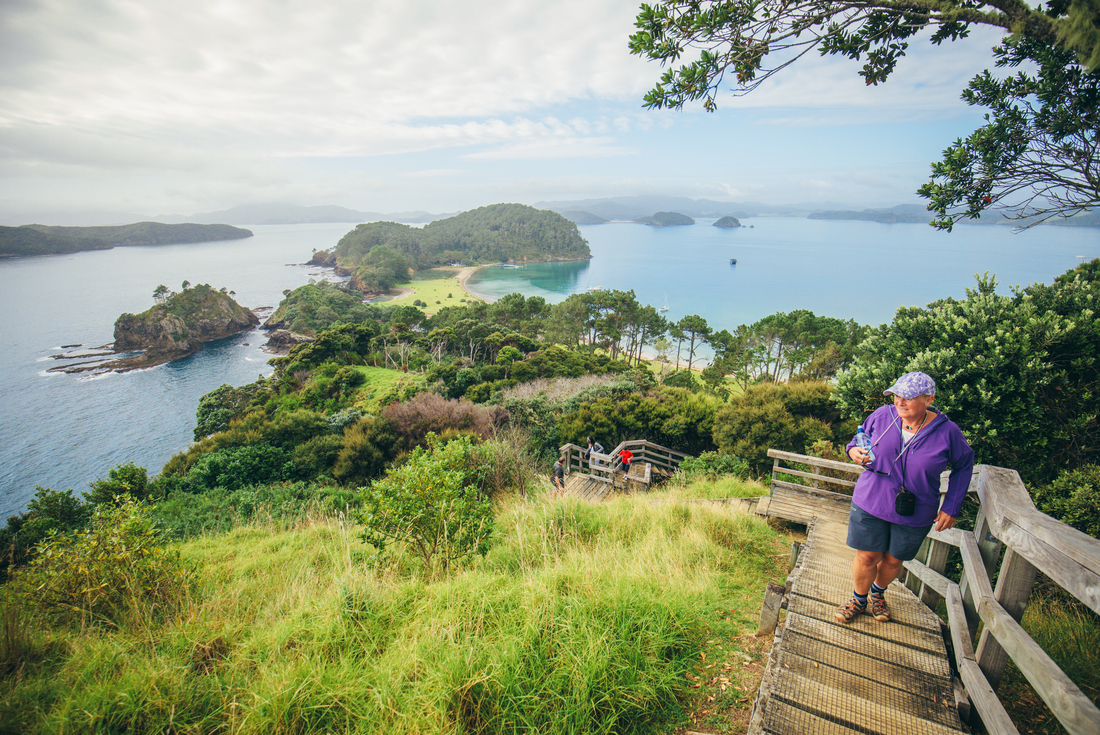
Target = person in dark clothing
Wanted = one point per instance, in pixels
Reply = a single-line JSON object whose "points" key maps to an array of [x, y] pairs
{"points": [[559, 476]]}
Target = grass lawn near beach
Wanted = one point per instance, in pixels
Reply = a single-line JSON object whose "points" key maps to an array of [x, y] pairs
{"points": [[437, 287]]}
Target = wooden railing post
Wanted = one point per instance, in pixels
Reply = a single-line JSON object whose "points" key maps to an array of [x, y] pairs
{"points": [[990, 548], [1013, 590], [937, 561]]}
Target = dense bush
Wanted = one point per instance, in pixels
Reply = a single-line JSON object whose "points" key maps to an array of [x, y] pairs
{"points": [[431, 505], [124, 480], [368, 446], [48, 512], [786, 416], [117, 570], [1074, 499], [713, 464], [237, 467]]}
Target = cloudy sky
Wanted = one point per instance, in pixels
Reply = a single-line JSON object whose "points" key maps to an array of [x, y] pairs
{"points": [[137, 106]]}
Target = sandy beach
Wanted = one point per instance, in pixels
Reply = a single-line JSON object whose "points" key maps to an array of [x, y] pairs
{"points": [[464, 274]]}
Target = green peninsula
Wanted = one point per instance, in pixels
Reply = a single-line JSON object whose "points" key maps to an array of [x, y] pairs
{"points": [[52, 240], [378, 255]]}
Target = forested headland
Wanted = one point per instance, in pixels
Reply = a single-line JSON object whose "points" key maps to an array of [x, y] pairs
{"points": [[378, 255], [52, 240], [388, 481]]}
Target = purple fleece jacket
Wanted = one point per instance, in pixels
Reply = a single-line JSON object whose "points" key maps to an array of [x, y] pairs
{"points": [[931, 451]]}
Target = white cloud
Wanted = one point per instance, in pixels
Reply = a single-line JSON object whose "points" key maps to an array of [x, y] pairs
{"points": [[179, 107]]}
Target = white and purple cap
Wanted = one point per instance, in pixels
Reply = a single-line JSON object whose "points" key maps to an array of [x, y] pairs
{"points": [[911, 385]]}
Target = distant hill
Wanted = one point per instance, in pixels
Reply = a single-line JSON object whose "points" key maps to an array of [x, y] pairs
{"points": [[292, 214], [727, 222], [50, 239], [17, 242], [583, 218], [631, 208], [911, 213], [666, 219], [150, 233]]}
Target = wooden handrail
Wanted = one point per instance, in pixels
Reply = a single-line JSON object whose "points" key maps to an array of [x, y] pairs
{"points": [[644, 450]]}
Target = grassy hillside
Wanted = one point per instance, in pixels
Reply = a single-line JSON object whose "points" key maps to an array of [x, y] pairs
{"points": [[582, 618]]}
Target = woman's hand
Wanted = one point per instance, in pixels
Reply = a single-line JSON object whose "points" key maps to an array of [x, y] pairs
{"points": [[944, 521], [858, 455]]}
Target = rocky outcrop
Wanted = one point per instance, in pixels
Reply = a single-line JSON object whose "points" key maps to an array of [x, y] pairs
{"points": [[728, 221], [281, 340], [323, 258], [179, 327]]}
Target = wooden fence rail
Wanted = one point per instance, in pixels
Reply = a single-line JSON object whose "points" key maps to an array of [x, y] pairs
{"points": [[604, 466], [1011, 540]]}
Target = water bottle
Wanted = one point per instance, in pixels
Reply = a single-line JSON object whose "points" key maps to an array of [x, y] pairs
{"points": [[864, 442]]}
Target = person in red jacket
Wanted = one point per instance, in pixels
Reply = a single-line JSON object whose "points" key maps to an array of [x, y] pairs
{"points": [[625, 456]]}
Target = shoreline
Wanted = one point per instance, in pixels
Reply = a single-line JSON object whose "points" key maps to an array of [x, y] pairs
{"points": [[465, 273]]}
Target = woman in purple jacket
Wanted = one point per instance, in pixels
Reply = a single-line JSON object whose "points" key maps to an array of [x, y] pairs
{"points": [[897, 498]]}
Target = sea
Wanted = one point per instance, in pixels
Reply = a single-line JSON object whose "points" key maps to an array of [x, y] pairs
{"points": [[64, 431]]}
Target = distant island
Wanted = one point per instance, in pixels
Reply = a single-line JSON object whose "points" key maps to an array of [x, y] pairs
{"points": [[30, 240], [666, 219], [378, 255], [176, 327], [728, 221], [584, 218]]}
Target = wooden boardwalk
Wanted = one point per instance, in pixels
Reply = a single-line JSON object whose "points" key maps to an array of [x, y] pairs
{"points": [[865, 677]]}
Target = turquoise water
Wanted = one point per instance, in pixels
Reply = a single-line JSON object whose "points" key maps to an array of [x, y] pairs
{"points": [[849, 270]]}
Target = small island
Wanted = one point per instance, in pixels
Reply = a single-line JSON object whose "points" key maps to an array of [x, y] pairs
{"points": [[30, 240], [666, 219], [176, 327], [728, 221]]}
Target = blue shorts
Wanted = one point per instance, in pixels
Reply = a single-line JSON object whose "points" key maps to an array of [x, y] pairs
{"points": [[870, 533]]}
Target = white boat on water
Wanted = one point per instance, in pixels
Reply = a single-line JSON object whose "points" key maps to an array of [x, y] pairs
{"points": [[665, 307]]}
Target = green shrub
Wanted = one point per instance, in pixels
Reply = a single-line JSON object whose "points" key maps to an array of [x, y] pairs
{"points": [[713, 464], [1017, 374], [368, 445], [127, 480], [116, 570], [431, 505], [1074, 499], [786, 416], [236, 467]]}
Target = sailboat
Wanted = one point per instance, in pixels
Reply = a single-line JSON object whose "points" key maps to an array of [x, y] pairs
{"points": [[665, 307]]}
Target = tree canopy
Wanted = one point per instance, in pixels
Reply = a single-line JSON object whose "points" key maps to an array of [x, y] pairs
{"points": [[1036, 156]]}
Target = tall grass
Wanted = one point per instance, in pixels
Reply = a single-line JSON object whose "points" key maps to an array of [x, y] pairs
{"points": [[1070, 635], [582, 618]]}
